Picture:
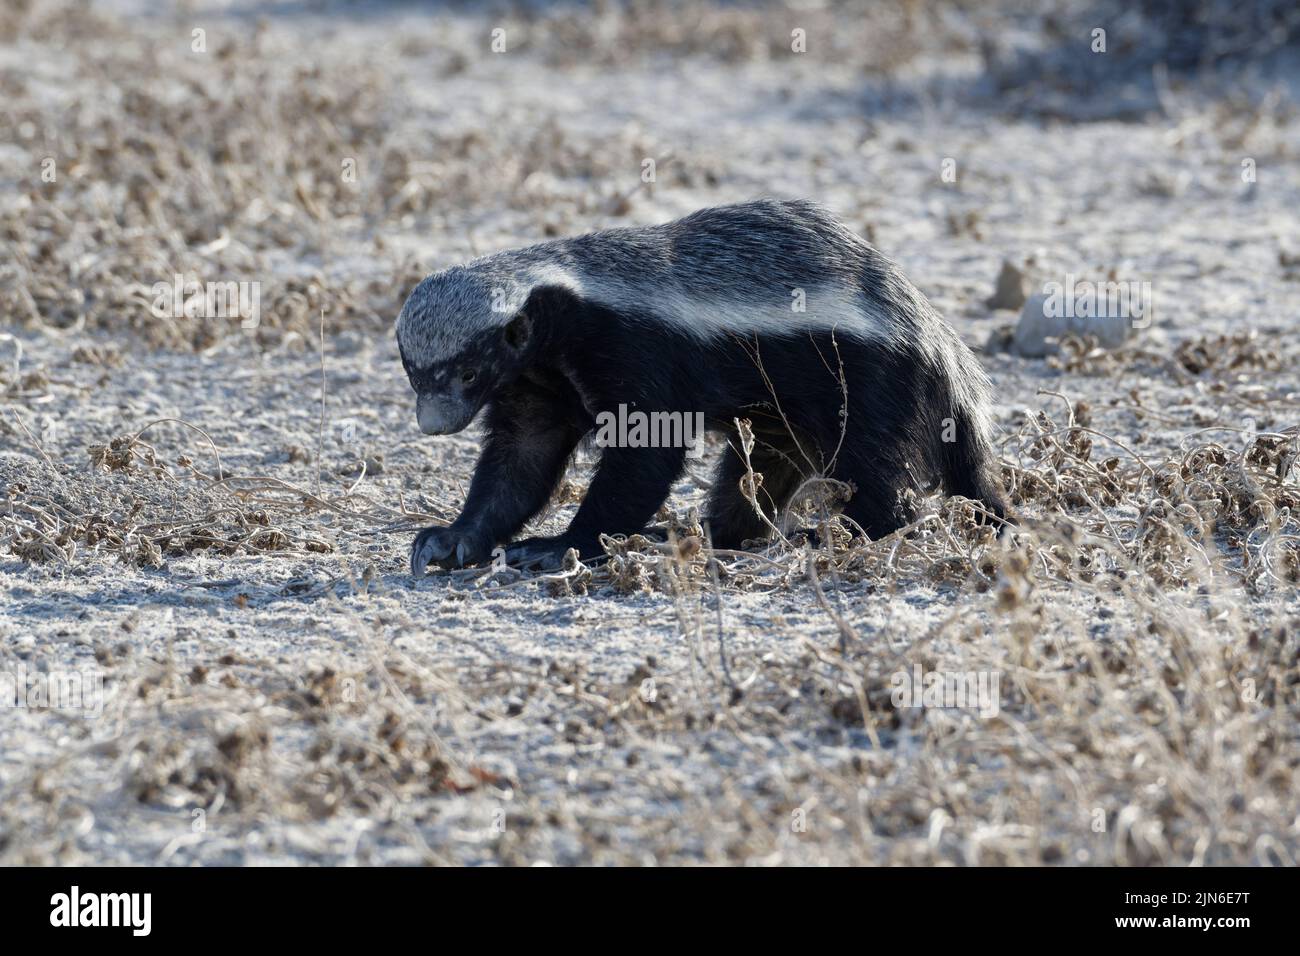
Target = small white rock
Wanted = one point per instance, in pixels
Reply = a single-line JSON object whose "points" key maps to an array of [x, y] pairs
{"points": [[1036, 326]]}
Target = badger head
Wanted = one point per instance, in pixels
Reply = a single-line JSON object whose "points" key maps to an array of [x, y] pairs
{"points": [[463, 334]]}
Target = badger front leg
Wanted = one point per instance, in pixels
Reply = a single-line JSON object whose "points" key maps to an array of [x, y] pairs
{"points": [[523, 458], [629, 486]]}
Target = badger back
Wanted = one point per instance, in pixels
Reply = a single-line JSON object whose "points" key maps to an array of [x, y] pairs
{"points": [[765, 268], [762, 268]]}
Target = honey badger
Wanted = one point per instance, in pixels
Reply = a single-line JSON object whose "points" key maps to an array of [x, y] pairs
{"points": [[771, 311]]}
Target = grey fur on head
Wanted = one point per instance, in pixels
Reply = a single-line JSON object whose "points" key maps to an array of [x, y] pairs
{"points": [[450, 310]]}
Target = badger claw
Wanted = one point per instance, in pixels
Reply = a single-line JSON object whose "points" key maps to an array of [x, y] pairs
{"points": [[446, 547], [431, 544]]}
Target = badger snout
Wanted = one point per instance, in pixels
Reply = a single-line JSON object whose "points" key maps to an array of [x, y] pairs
{"points": [[442, 414]]}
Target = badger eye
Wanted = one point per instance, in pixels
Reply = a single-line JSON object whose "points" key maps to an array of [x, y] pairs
{"points": [[467, 377]]}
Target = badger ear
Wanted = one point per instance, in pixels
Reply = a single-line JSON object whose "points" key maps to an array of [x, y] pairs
{"points": [[544, 301], [519, 330]]}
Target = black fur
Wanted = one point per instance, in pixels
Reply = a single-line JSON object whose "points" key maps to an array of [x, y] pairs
{"points": [[546, 376]]}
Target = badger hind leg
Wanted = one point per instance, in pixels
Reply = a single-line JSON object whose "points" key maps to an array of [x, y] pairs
{"points": [[730, 516], [881, 480], [879, 507], [969, 469]]}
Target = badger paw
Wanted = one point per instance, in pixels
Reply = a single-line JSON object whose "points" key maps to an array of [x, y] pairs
{"points": [[450, 547], [547, 554]]}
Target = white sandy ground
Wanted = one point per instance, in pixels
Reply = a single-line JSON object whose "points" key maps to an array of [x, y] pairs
{"points": [[292, 706]]}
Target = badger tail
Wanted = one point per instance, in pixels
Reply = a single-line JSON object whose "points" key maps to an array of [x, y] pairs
{"points": [[970, 467]]}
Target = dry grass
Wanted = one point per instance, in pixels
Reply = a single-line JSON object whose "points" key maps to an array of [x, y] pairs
{"points": [[1167, 712]]}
